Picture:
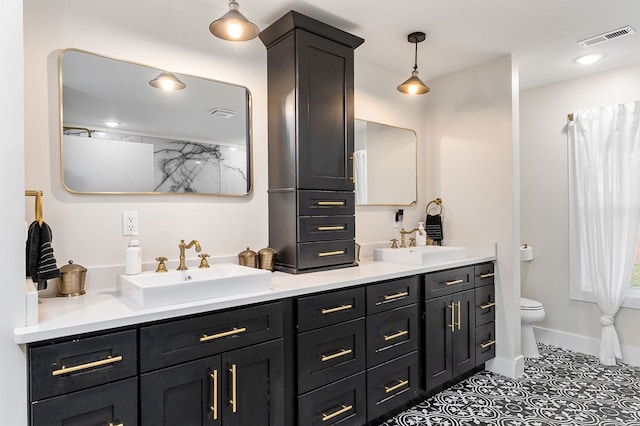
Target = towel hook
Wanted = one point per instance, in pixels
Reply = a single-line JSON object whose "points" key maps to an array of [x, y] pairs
{"points": [[38, 209], [437, 202]]}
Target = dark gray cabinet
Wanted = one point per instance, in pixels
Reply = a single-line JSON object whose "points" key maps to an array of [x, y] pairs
{"points": [[311, 140], [240, 387], [459, 322]]}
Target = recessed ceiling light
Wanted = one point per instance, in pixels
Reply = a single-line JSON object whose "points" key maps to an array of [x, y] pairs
{"points": [[588, 59], [111, 123]]}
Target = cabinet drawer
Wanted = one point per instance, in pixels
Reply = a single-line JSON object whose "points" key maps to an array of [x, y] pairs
{"points": [[325, 253], [78, 364], [326, 203], [485, 305], [391, 334], [110, 404], [340, 403], [330, 353], [326, 228], [484, 274], [330, 308], [448, 282], [179, 341], [485, 343], [391, 294], [391, 385]]}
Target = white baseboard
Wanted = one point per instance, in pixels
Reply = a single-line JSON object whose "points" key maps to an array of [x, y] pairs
{"points": [[506, 367], [583, 344]]}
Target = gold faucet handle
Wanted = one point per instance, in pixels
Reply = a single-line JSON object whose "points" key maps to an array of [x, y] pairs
{"points": [[412, 242], [161, 266], [394, 243], [203, 260]]}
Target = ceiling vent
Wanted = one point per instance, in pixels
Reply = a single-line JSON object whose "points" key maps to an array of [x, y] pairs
{"points": [[620, 32], [222, 113]]}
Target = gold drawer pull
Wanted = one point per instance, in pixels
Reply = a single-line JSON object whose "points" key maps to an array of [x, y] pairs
{"points": [[206, 338], [453, 282], [331, 228], [395, 336], [116, 424], [330, 253], [342, 410], [67, 370], [487, 305], [453, 316], [487, 344], [396, 296], [214, 394], [343, 352], [401, 383], [336, 309], [234, 389], [331, 203], [489, 275]]}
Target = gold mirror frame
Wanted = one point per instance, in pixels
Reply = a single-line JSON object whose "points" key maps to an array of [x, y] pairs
{"points": [[391, 163], [236, 173]]}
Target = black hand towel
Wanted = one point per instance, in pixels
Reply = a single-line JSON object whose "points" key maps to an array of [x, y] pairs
{"points": [[433, 226], [41, 264]]}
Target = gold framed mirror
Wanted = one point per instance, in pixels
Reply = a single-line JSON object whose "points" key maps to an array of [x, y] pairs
{"points": [[121, 134]]}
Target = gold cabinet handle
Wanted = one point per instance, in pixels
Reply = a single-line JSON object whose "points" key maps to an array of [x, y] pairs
{"points": [[487, 344], [236, 330], [330, 253], [401, 383], [489, 275], [233, 400], [353, 168], [343, 352], [453, 317], [214, 394], [342, 410], [67, 370], [487, 305], [116, 424], [396, 296], [336, 309], [459, 316], [453, 282], [331, 203], [331, 228], [395, 336]]}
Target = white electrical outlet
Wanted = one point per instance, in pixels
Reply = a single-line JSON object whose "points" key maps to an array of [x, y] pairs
{"points": [[129, 223]]}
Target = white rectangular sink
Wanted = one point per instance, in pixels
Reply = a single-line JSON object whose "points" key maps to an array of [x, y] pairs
{"points": [[151, 289], [420, 255]]}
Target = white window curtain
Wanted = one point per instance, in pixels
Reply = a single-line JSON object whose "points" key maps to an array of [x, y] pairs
{"points": [[604, 207]]}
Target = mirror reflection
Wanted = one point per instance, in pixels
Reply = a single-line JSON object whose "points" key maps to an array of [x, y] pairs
{"points": [[385, 164], [123, 133]]}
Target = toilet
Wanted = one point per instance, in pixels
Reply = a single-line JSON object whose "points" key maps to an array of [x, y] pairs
{"points": [[531, 312]]}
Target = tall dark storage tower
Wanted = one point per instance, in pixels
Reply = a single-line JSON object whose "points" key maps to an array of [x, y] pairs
{"points": [[311, 190]]}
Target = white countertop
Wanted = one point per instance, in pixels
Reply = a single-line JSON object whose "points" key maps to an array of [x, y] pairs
{"points": [[101, 309]]}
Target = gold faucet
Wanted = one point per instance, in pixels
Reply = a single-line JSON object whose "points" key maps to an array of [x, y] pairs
{"points": [[182, 246], [403, 233]]}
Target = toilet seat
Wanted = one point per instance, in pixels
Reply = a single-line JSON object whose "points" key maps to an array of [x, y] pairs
{"points": [[530, 305]]}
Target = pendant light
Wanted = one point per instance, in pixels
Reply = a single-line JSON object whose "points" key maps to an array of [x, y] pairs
{"points": [[167, 81], [233, 26], [413, 85]]}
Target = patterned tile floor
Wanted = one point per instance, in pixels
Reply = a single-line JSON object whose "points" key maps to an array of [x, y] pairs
{"points": [[560, 388]]}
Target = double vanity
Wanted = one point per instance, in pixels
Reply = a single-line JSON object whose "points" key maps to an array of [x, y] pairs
{"points": [[349, 346]]}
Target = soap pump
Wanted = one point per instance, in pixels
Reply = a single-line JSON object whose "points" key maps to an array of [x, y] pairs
{"points": [[421, 235]]}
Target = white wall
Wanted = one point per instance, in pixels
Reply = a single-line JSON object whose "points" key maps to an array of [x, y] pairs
{"points": [[13, 391], [472, 160], [545, 217]]}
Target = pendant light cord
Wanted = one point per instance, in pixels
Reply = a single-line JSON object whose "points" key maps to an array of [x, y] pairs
{"points": [[415, 60]]}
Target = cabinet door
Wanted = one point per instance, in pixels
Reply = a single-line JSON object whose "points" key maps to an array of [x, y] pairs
{"points": [[325, 113], [464, 336], [184, 395], [113, 403], [439, 329], [253, 389]]}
